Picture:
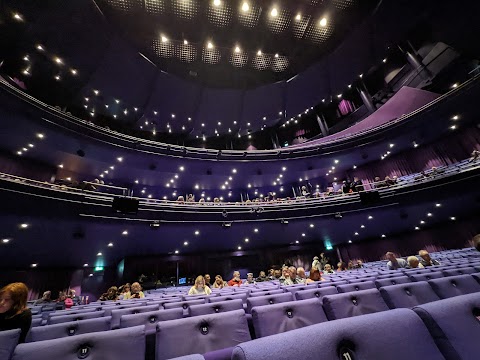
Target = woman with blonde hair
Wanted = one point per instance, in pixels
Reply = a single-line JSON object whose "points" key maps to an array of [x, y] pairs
{"points": [[14, 313], [219, 283], [199, 288]]}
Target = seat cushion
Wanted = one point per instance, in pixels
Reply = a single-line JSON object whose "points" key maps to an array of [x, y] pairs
{"points": [[353, 304], [454, 285], [454, 324], [353, 338], [278, 318], [408, 295]]}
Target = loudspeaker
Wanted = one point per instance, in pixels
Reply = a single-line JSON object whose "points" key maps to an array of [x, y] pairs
{"points": [[369, 197], [125, 205]]}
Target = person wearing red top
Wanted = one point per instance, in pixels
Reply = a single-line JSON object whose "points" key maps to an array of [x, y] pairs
{"points": [[235, 281]]}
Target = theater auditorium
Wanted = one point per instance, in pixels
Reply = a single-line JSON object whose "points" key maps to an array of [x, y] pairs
{"points": [[239, 180]]}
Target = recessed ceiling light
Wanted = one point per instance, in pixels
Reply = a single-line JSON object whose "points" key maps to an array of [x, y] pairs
{"points": [[438, 204], [164, 39], [362, 226], [312, 225], [383, 235], [274, 12], [17, 17], [370, 217], [429, 214], [384, 60], [119, 159], [255, 230], [336, 161], [209, 45], [40, 135], [245, 6], [197, 232], [176, 251], [297, 242], [259, 52], [34, 265], [298, 17], [85, 265], [422, 222], [99, 254], [237, 49], [247, 240], [323, 22], [24, 226], [303, 234], [417, 228], [453, 218], [73, 71], [58, 60], [349, 241], [239, 248], [110, 244], [391, 145], [125, 232], [453, 127], [455, 117], [284, 168], [455, 85], [356, 234], [276, 55], [90, 275], [5, 241]]}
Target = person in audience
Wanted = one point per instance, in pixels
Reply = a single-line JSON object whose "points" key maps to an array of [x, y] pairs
{"points": [[315, 275], [199, 288], [181, 199], [72, 295], [46, 298], [305, 192], [235, 281], [277, 274], [323, 260], [426, 260], [476, 242], [219, 283], [378, 183], [61, 297], [388, 181], [190, 198], [316, 263], [350, 265], [250, 279], [292, 270], [111, 294], [359, 264], [14, 313], [327, 269], [341, 266], [207, 280], [301, 275], [357, 185], [135, 292], [262, 277], [125, 289], [475, 156], [270, 273], [414, 263], [285, 278], [394, 263]]}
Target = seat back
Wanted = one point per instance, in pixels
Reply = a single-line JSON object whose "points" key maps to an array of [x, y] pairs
{"points": [[454, 285], [392, 281], [356, 286], [427, 276], [72, 328], [346, 339], [108, 309], [8, 341], [265, 293], [185, 305], [454, 324], [76, 317], [278, 318], [150, 319], [356, 303], [316, 293], [332, 283], [37, 322], [408, 295], [459, 271], [268, 300], [203, 334], [216, 307], [117, 314], [72, 312], [116, 344], [240, 296]]}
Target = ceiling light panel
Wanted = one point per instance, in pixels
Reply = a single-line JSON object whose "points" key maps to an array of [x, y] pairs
{"points": [[186, 9], [186, 52], [210, 56], [155, 6], [318, 34], [239, 59], [279, 23], [220, 15], [249, 18], [163, 49], [125, 5], [262, 62], [280, 63], [343, 4], [299, 26]]}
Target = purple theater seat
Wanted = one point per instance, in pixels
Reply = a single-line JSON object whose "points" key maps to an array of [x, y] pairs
{"points": [[454, 285], [360, 280], [332, 283], [460, 271], [348, 339], [198, 297], [316, 293], [37, 322], [150, 319], [216, 307], [454, 325], [117, 314], [264, 293], [278, 318], [69, 329], [427, 276], [201, 334], [408, 295], [242, 297], [108, 309], [190, 357], [295, 288], [476, 277], [353, 304], [392, 281], [356, 287], [75, 317], [106, 345], [184, 305], [268, 300], [8, 341]]}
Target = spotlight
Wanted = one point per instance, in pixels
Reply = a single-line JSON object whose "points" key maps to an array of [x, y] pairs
{"points": [[323, 22]]}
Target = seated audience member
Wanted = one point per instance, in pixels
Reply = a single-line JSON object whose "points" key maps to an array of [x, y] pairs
{"points": [[316, 263], [235, 281], [61, 297], [207, 280], [341, 266], [270, 274], [292, 270], [219, 283], [250, 279], [72, 295], [346, 187], [46, 298], [190, 198], [277, 274], [388, 181], [285, 278], [301, 275], [414, 263], [14, 313], [350, 265], [199, 288], [394, 263], [181, 199], [201, 201], [475, 156], [327, 269], [323, 260], [426, 259], [305, 191], [357, 185], [377, 183], [315, 275], [111, 294], [125, 289], [476, 242], [135, 292], [359, 264], [262, 277]]}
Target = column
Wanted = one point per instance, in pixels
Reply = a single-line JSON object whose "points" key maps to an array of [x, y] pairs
{"points": [[365, 96]]}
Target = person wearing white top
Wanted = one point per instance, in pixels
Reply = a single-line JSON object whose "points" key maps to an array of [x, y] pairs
{"points": [[199, 288]]}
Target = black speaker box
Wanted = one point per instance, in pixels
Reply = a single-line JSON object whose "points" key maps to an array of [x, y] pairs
{"points": [[125, 205], [369, 197]]}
